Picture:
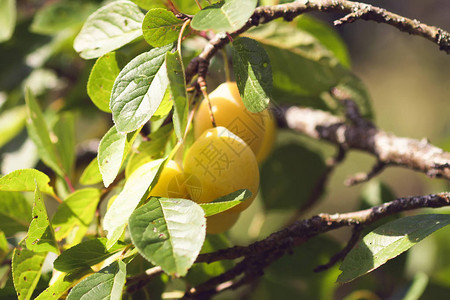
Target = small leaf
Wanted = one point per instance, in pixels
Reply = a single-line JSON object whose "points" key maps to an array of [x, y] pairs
{"points": [[169, 233], [62, 285], [108, 29], [91, 175], [64, 130], [227, 15], [7, 19], [111, 153], [107, 283], [39, 133], [253, 73], [41, 237], [177, 85], [85, 255], [12, 122], [387, 242], [226, 202], [4, 248], [161, 27], [136, 187], [76, 214], [26, 270], [25, 181], [139, 89], [101, 80], [15, 213]]}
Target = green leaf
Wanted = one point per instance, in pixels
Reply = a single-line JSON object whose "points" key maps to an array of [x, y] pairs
{"points": [[41, 237], [139, 89], [64, 130], [149, 4], [357, 91], [289, 175], [227, 15], [4, 248], [25, 181], [169, 233], [85, 255], [177, 86], [12, 122], [15, 213], [111, 153], [26, 270], [253, 73], [91, 175], [387, 242], [108, 283], [161, 27], [53, 18], [39, 133], [101, 80], [226, 202], [7, 19], [136, 187], [326, 35], [108, 29], [76, 214], [63, 283]]}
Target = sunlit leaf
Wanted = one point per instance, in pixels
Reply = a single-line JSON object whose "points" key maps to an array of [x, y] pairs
{"points": [[91, 175], [226, 202], [109, 28], [227, 15], [8, 16], [387, 242], [26, 270], [169, 233], [253, 73], [62, 284], [15, 213], [177, 85], [25, 181], [139, 89], [107, 283], [161, 27], [101, 80], [111, 153], [75, 213], [136, 187], [85, 254], [41, 237]]}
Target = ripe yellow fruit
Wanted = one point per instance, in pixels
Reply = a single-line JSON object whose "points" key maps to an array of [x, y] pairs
{"points": [[221, 222], [218, 163], [229, 111], [171, 183]]}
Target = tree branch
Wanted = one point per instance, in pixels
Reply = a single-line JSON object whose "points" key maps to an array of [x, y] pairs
{"points": [[387, 148]]}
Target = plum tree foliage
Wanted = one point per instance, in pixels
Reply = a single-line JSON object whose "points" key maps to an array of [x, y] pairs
{"points": [[148, 153]]}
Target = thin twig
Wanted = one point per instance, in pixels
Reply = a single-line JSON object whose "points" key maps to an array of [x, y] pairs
{"points": [[364, 177]]}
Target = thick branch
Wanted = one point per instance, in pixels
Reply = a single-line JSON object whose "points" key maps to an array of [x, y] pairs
{"points": [[388, 148]]}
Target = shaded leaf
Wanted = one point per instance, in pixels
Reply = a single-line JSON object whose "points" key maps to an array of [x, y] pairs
{"points": [[226, 202], [139, 89], [64, 130], [75, 214], [101, 80], [26, 270], [85, 255], [109, 28], [177, 86], [38, 131], [107, 283], [41, 237], [357, 91], [136, 187], [227, 15], [15, 213], [12, 122], [169, 233], [63, 283], [387, 242], [8, 16], [161, 27], [253, 73], [25, 181], [91, 174]]}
